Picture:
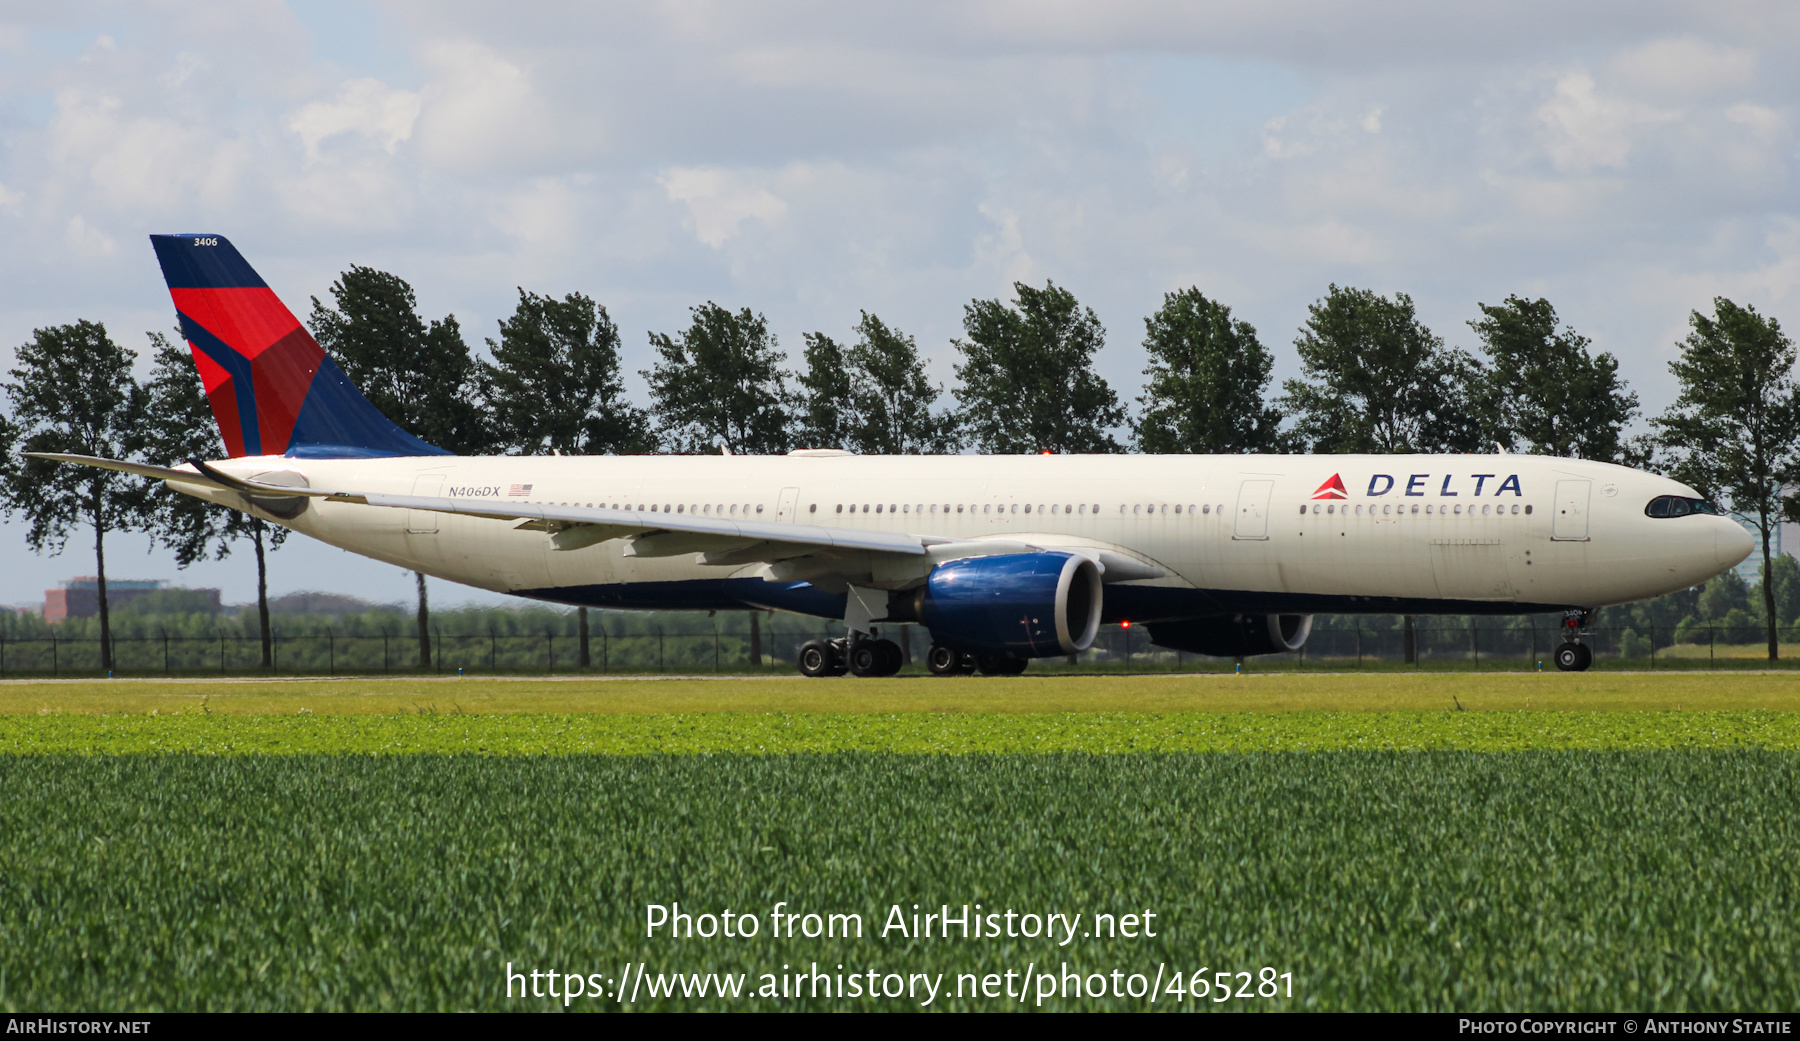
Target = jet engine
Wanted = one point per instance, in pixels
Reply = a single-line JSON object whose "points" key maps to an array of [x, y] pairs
{"points": [[1234, 636], [1021, 605]]}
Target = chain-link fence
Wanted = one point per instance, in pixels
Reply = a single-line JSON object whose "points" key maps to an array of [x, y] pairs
{"points": [[1117, 648]]}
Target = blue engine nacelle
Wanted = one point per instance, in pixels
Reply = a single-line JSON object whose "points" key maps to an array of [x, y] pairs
{"points": [[1023, 605]]}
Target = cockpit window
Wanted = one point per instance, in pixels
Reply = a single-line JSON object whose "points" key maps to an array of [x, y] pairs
{"points": [[1679, 506]]}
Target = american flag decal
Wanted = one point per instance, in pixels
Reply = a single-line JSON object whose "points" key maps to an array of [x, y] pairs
{"points": [[520, 489]]}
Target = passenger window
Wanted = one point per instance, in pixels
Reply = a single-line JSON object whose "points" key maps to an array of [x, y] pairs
{"points": [[759, 507], [892, 508], [814, 508], [1527, 511], [840, 507]]}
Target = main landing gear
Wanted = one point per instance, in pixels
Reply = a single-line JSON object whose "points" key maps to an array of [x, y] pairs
{"points": [[1573, 655], [865, 656], [947, 661]]}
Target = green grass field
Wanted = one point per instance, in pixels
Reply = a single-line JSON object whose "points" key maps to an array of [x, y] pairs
{"points": [[1568, 842], [1379, 880]]}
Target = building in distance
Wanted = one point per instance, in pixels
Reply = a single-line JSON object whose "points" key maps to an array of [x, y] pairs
{"points": [[79, 597]]}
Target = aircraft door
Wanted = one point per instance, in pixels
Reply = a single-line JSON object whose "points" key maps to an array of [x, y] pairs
{"points": [[1570, 523], [790, 501], [424, 522], [1253, 510]]}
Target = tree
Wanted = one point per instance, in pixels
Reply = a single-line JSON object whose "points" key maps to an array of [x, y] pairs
{"points": [[721, 381], [179, 426], [554, 382], [420, 376], [1543, 391], [553, 386], [1734, 430], [824, 394], [873, 398], [891, 397], [1028, 383], [1377, 380], [1786, 590], [73, 392], [1208, 376]]}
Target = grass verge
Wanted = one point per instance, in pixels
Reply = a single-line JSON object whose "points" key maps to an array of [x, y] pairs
{"points": [[1341, 692], [903, 733]]}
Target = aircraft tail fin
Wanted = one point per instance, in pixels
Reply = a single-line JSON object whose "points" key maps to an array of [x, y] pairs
{"points": [[272, 388]]}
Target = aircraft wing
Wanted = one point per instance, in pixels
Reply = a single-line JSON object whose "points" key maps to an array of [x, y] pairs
{"points": [[717, 540], [570, 527]]}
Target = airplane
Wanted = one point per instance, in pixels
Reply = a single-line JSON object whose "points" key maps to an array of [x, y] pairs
{"points": [[1001, 558]]}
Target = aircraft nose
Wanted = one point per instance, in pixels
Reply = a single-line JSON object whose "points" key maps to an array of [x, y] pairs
{"points": [[1731, 543]]}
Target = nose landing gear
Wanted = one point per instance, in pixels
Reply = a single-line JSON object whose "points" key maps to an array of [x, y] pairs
{"points": [[1573, 655]]}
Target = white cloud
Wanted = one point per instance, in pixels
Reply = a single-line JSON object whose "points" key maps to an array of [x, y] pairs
{"points": [[1685, 67], [1002, 249], [480, 109], [140, 162], [186, 64], [719, 201], [1584, 129], [86, 241], [366, 107]]}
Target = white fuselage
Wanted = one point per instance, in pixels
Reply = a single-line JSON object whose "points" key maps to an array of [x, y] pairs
{"points": [[1459, 533]]}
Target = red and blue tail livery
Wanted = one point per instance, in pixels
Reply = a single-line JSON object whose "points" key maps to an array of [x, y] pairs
{"points": [[272, 388]]}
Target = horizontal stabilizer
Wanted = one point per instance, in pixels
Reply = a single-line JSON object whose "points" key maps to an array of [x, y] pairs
{"points": [[163, 473]]}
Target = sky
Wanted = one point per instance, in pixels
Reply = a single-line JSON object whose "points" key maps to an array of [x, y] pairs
{"points": [[1629, 161]]}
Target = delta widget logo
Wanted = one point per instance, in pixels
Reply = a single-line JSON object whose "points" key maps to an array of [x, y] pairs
{"points": [[1332, 489]]}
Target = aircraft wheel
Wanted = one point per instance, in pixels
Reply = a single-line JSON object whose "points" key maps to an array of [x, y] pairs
{"points": [[1574, 657], [1001, 665], [892, 657], [867, 659], [943, 661], [817, 660]]}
